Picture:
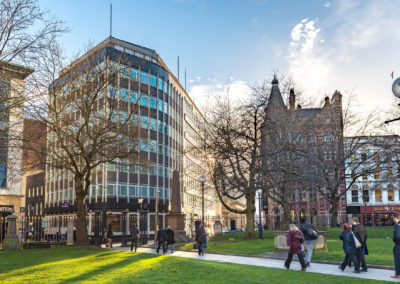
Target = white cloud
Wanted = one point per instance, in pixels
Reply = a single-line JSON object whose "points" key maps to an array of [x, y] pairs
{"points": [[205, 95], [353, 49], [327, 4]]}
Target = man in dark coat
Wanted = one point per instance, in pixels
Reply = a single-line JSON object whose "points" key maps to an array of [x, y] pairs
{"points": [[310, 235], [200, 235], [360, 232], [170, 238], [109, 236], [134, 236], [396, 248], [162, 239], [349, 248]]}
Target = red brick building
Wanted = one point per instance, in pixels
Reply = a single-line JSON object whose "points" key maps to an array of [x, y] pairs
{"points": [[304, 158]]}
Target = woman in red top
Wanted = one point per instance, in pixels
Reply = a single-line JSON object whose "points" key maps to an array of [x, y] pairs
{"points": [[294, 241]]}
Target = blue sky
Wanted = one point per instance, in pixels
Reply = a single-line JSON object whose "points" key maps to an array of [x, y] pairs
{"points": [[348, 45]]}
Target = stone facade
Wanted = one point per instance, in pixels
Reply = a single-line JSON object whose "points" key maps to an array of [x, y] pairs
{"points": [[306, 127]]}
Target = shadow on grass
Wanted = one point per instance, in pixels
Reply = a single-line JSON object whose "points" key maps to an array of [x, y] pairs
{"points": [[104, 271], [23, 259]]}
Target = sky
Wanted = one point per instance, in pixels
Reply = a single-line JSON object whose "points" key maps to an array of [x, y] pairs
{"points": [[347, 45]]}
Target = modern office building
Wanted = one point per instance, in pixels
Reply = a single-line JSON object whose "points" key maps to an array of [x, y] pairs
{"points": [[375, 193], [123, 195]]}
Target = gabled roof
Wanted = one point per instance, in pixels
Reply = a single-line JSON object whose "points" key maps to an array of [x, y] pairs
{"points": [[275, 98]]}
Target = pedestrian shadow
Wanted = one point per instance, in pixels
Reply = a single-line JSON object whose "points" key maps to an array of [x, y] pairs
{"points": [[140, 260]]}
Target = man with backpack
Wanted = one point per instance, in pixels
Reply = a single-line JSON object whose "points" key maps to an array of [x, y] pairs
{"points": [[361, 234], [310, 234], [396, 248]]}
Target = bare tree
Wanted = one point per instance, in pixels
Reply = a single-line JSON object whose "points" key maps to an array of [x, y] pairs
{"points": [[332, 159], [89, 123]]}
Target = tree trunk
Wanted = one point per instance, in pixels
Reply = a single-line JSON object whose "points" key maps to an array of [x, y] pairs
{"points": [[333, 220], [81, 230], [285, 217], [250, 211]]}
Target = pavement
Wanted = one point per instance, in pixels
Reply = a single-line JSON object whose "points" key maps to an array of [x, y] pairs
{"points": [[331, 269]]}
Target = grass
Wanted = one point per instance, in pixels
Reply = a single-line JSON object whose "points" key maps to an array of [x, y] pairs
{"points": [[379, 245], [94, 265]]}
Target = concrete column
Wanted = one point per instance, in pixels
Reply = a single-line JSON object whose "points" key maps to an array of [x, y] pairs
{"points": [[348, 197]]}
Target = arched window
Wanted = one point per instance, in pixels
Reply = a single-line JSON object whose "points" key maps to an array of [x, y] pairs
{"points": [[390, 195], [292, 215], [378, 195], [354, 196]]}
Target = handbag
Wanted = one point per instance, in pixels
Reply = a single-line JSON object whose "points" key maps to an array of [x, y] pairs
{"points": [[356, 241]]}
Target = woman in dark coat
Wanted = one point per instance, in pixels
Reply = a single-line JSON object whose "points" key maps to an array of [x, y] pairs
{"points": [[294, 241], [200, 235], [349, 248]]}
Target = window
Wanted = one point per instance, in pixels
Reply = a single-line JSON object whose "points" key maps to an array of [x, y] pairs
{"points": [[363, 156], [354, 196], [111, 189], [152, 192], [364, 174], [390, 193], [111, 92], [160, 84], [365, 195], [165, 87], [388, 156], [122, 190], [377, 173], [134, 74], [123, 94], [378, 195], [389, 173], [160, 105], [153, 124], [160, 171], [133, 97], [143, 191], [153, 80], [144, 100], [144, 77], [328, 120], [132, 190], [326, 138], [160, 193], [144, 122], [93, 190], [124, 71], [153, 146], [153, 102]]}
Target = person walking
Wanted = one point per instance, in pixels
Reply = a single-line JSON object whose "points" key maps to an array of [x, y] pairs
{"points": [[104, 237], [134, 236], [294, 241], [162, 239], [359, 231], [349, 248], [109, 236], [200, 235], [396, 248], [310, 234], [170, 238]]}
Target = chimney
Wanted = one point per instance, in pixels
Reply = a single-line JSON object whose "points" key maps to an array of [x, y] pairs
{"points": [[292, 100], [327, 103]]}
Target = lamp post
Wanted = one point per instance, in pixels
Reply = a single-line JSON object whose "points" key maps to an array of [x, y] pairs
{"points": [[141, 228], [260, 228], [203, 180]]}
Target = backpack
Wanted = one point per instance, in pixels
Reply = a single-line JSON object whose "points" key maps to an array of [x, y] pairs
{"points": [[312, 234]]}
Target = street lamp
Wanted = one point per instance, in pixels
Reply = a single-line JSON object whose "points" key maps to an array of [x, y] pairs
{"points": [[260, 228], [141, 218], [396, 92]]}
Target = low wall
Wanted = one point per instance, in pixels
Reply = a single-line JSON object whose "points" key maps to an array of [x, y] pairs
{"points": [[281, 241]]}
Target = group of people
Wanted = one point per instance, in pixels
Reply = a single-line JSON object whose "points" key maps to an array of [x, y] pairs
{"points": [[307, 234], [165, 238]]}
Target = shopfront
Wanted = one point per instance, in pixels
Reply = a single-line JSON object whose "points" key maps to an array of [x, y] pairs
{"points": [[373, 215]]}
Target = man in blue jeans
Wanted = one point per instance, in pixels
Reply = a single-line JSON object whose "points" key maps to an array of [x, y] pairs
{"points": [[396, 248]]}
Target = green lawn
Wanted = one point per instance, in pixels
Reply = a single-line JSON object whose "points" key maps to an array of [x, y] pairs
{"points": [[379, 243], [94, 265]]}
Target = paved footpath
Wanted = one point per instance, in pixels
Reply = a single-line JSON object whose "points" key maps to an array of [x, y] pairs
{"points": [[373, 273]]}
